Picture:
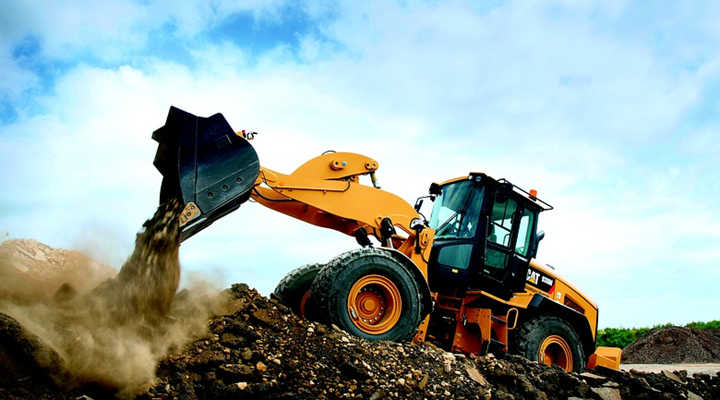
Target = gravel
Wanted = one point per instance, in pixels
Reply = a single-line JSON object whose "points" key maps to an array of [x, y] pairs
{"points": [[673, 345]]}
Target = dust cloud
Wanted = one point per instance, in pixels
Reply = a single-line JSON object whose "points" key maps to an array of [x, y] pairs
{"points": [[113, 335]]}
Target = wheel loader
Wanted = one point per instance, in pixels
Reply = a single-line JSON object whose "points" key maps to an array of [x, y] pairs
{"points": [[465, 278]]}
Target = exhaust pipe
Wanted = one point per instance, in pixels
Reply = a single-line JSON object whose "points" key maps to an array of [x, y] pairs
{"points": [[205, 165]]}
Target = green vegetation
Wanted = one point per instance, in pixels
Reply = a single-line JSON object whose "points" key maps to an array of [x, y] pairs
{"points": [[704, 325], [621, 337]]}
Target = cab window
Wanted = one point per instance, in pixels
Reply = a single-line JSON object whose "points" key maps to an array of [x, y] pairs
{"points": [[527, 223], [501, 221], [456, 211]]}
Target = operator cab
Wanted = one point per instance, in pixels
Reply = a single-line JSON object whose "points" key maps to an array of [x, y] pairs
{"points": [[485, 235]]}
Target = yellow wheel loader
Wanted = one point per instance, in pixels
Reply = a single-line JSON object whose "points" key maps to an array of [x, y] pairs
{"points": [[464, 279]]}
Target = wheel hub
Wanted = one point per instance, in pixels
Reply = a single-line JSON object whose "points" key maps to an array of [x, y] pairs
{"points": [[555, 350], [374, 304]]}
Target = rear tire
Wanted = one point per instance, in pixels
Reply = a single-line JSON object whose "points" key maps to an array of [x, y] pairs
{"points": [[369, 294], [550, 340], [293, 290]]}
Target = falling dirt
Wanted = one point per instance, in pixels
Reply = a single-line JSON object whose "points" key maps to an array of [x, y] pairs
{"points": [[147, 282], [113, 335]]}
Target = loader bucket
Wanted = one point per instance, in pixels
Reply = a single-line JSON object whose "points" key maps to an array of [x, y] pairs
{"points": [[205, 165]]}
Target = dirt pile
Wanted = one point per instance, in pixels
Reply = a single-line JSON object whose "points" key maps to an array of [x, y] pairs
{"points": [[111, 336], [673, 345], [258, 349], [263, 351], [715, 332], [31, 271]]}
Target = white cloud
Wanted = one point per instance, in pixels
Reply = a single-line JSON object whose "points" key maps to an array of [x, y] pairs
{"points": [[112, 30], [431, 91]]}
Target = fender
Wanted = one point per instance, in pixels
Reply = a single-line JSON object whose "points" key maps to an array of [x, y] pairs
{"points": [[541, 305], [425, 296]]}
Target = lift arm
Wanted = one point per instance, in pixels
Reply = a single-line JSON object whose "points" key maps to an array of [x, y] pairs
{"points": [[214, 170]]}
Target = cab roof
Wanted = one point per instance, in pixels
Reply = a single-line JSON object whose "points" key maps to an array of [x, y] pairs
{"points": [[529, 195]]}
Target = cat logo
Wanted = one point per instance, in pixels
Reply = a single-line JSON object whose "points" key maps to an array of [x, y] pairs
{"points": [[533, 276]]}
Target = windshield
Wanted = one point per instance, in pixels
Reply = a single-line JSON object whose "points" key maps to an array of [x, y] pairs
{"points": [[456, 211]]}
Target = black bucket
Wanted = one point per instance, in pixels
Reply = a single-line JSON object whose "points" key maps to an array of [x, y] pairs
{"points": [[204, 164]]}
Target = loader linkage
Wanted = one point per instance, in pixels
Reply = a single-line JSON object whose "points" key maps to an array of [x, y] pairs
{"points": [[465, 279]]}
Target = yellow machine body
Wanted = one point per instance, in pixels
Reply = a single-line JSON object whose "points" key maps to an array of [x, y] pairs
{"points": [[326, 192], [213, 170]]}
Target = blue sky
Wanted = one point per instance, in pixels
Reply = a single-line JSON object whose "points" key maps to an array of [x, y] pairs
{"points": [[609, 109]]}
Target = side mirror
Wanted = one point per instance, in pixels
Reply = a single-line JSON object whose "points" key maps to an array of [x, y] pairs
{"points": [[538, 237], [418, 204], [435, 189]]}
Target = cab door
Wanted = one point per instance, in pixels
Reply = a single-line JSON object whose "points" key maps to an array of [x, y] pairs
{"points": [[458, 235], [502, 269]]}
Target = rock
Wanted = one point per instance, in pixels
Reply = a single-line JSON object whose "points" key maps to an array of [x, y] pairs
{"points": [[23, 354], [241, 385], [423, 382], [231, 340], [672, 376], [260, 366], [235, 371], [208, 358], [607, 393], [593, 377], [693, 396], [475, 375], [448, 359], [377, 395], [263, 316]]}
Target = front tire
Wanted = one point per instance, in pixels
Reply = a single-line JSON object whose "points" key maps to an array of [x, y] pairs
{"points": [[293, 290], [369, 294], [552, 341]]}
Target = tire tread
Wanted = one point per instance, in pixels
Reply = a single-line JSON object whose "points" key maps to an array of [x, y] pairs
{"points": [[322, 288]]}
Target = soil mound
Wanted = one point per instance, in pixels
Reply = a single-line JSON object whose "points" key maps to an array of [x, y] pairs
{"points": [[673, 345], [110, 337], [261, 350], [256, 348], [31, 271]]}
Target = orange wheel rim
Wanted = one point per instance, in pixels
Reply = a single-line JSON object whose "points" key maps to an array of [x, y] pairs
{"points": [[374, 304], [554, 350], [303, 302]]}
